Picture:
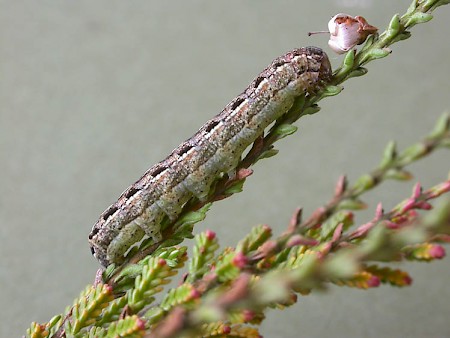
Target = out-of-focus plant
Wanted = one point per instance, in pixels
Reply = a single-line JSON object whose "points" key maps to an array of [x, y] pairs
{"points": [[225, 292]]}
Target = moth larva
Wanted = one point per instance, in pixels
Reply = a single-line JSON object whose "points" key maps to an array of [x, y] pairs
{"points": [[191, 168]]}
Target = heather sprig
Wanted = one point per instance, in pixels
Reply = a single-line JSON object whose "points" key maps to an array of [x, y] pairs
{"points": [[225, 293]]}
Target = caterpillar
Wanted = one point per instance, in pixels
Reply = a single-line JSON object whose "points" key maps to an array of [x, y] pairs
{"points": [[216, 148]]}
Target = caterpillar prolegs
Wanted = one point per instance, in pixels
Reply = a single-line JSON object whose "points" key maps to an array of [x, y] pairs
{"points": [[216, 148]]}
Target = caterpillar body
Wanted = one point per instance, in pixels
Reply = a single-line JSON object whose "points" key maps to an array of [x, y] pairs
{"points": [[216, 148]]}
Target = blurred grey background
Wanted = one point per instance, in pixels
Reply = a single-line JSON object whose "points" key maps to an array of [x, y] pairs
{"points": [[94, 92]]}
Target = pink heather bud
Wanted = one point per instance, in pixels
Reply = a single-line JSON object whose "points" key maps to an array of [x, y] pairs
{"points": [[226, 329], [194, 294], [337, 232], [140, 324], [299, 240], [267, 228], [295, 220], [346, 32], [407, 280], [243, 173], [412, 214], [108, 289], [424, 205], [400, 219], [373, 282], [210, 235], [248, 315], [362, 230], [391, 225], [410, 203], [341, 186], [325, 250], [437, 251], [379, 211], [417, 190], [267, 248], [350, 216], [240, 260], [409, 216], [294, 298], [162, 262], [318, 213]]}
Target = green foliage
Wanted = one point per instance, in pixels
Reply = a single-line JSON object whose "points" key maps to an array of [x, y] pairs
{"points": [[184, 294], [254, 239], [225, 294], [154, 275], [203, 252], [88, 307], [130, 326]]}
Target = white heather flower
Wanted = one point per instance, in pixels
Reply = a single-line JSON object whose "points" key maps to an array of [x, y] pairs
{"points": [[346, 32]]}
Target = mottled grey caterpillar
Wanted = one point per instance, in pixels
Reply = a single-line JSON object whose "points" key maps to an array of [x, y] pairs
{"points": [[216, 148]]}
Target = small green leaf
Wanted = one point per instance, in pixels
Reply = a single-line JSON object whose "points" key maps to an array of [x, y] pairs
{"points": [[96, 332], [268, 153], [175, 240], [109, 271], [441, 127], [412, 7], [347, 64], [352, 204], [360, 71], [330, 91], [54, 320], [225, 268], [284, 130], [130, 326], [182, 294], [349, 60], [185, 232], [418, 18], [193, 217], [343, 217], [129, 271], [398, 174], [401, 36], [257, 236], [154, 314], [235, 188], [376, 53], [394, 25], [414, 152], [364, 183], [369, 42], [389, 155], [311, 110]]}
